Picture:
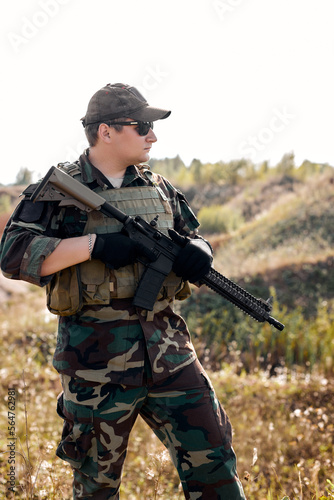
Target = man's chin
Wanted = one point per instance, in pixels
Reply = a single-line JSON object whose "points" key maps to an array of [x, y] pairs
{"points": [[145, 157]]}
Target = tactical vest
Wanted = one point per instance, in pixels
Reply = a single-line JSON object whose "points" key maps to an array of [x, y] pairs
{"points": [[92, 282]]}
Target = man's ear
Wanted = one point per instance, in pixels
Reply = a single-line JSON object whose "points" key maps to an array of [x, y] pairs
{"points": [[104, 133]]}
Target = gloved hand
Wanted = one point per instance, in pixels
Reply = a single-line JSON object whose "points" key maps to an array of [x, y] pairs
{"points": [[195, 259], [115, 250]]}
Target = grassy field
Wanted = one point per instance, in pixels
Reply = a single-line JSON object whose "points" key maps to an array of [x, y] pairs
{"points": [[283, 425]]}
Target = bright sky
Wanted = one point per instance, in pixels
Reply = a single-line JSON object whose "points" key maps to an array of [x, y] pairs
{"points": [[243, 78]]}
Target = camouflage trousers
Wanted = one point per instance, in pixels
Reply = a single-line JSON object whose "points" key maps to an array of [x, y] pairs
{"points": [[182, 411]]}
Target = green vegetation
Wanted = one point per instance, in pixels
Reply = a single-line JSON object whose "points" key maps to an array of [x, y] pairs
{"points": [[219, 219], [272, 233], [23, 177]]}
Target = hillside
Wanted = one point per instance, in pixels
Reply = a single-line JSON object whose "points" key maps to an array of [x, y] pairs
{"points": [[285, 239], [281, 245]]}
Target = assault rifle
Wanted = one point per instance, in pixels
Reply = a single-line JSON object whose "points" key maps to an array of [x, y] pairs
{"points": [[59, 186]]}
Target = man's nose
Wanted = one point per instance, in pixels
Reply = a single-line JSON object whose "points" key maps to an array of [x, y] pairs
{"points": [[151, 137]]}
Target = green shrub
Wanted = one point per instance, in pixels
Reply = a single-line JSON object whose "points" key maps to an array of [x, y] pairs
{"points": [[219, 219], [221, 331], [5, 203]]}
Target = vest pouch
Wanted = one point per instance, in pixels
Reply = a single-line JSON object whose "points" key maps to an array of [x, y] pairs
{"points": [[125, 280], [174, 287], [63, 292], [95, 282], [184, 292]]}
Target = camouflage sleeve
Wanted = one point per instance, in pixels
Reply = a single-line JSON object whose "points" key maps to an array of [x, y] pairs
{"points": [[185, 221], [25, 243]]}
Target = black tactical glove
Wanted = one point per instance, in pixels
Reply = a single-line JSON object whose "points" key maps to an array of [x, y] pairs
{"points": [[115, 250], [195, 259]]}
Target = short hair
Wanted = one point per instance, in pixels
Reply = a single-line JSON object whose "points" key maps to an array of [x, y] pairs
{"points": [[91, 130]]}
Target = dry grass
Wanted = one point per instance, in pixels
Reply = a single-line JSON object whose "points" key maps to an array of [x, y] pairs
{"points": [[283, 426]]}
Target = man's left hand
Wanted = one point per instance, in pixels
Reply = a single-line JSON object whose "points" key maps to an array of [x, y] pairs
{"points": [[195, 259]]}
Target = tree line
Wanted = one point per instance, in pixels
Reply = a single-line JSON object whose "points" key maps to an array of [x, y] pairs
{"points": [[232, 172]]}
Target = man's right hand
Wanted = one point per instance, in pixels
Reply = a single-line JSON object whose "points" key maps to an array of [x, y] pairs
{"points": [[115, 250]]}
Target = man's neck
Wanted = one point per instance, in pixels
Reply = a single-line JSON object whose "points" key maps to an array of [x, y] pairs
{"points": [[110, 167]]}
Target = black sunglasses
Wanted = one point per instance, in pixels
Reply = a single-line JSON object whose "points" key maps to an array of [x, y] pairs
{"points": [[142, 127]]}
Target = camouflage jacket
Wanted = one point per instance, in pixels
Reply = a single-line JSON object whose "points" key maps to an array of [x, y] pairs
{"points": [[101, 343]]}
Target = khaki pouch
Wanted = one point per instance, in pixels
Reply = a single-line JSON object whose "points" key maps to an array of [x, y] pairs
{"points": [[63, 292]]}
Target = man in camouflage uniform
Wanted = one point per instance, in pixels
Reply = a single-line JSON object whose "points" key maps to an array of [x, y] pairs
{"points": [[118, 361]]}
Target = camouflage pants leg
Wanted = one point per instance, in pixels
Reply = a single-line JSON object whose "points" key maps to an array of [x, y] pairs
{"points": [[182, 411], [98, 419], [187, 417]]}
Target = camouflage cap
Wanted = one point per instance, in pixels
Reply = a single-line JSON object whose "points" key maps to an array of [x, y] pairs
{"points": [[120, 100]]}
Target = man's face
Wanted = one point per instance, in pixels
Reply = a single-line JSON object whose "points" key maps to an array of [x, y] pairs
{"points": [[131, 147]]}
